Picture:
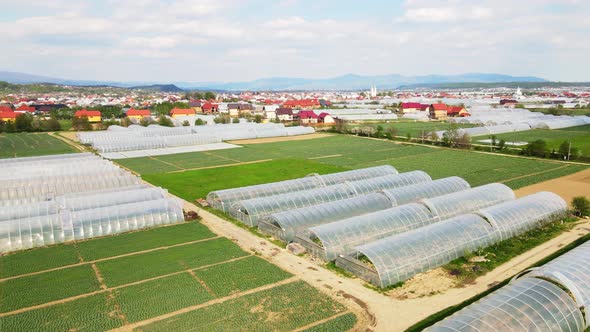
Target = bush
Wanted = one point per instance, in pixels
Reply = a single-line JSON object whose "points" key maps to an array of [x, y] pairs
{"points": [[23, 123], [51, 125], [199, 122], [185, 123], [581, 206], [537, 148], [165, 121], [81, 123], [235, 120]]}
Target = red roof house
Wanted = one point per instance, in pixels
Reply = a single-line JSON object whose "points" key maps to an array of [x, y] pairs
{"points": [[8, 115], [181, 112], [138, 113], [209, 107], [24, 109]]}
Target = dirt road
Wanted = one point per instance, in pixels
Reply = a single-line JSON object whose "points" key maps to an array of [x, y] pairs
{"points": [[568, 187], [278, 139]]}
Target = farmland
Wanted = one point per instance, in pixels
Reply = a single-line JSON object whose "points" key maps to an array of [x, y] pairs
{"points": [[338, 153], [149, 275], [579, 137], [26, 145], [413, 128]]}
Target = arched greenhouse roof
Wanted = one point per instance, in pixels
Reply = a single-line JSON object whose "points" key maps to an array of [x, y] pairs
{"points": [[415, 192]]}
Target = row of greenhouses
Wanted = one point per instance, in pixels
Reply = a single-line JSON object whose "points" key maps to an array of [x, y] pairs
{"points": [[134, 137], [98, 199], [553, 297]]}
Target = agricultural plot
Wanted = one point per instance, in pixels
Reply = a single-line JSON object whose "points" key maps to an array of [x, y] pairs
{"points": [[339, 153], [26, 145], [144, 275], [413, 128], [578, 136]]}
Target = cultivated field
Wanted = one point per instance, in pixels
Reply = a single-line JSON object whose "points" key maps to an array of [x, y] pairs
{"points": [[414, 128], [26, 145], [579, 137], [169, 278], [191, 175]]}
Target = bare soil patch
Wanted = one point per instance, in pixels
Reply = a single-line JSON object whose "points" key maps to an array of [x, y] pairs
{"points": [[278, 139], [424, 284], [568, 187]]}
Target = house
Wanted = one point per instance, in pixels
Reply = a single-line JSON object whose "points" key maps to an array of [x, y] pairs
{"points": [[7, 114], [306, 117], [324, 103], [176, 112], [196, 105], [270, 111], [508, 102], [284, 114], [457, 111], [209, 108], [25, 109], [302, 103], [410, 107], [138, 114], [438, 111], [93, 116], [236, 108], [326, 118]]}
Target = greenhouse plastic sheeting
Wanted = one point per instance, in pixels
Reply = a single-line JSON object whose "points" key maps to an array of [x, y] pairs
{"points": [[222, 199], [75, 202], [572, 271], [251, 211], [521, 215], [399, 257], [49, 158], [469, 200], [340, 237], [528, 304], [284, 225], [59, 186], [84, 224], [429, 189]]}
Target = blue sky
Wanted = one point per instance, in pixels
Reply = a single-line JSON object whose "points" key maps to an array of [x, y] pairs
{"points": [[237, 40]]}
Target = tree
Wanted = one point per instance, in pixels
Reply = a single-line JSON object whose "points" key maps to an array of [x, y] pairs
{"points": [[464, 141], [125, 122], [145, 121], [258, 118], [451, 136], [392, 131], [235, 120], [209, 95], [81, 123], [493, 138], [185, 123], [581, 206], [537, 148], [23, 123], [501, 144], [222, 119], [433, 136], [165, 121], [9, 127], [51, 125], [1, 125], [199, 122]]}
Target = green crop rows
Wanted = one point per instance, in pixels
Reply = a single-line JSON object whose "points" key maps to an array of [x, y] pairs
{"points": [[26, 145], [282, 308], [37, 260], [341, 323]]}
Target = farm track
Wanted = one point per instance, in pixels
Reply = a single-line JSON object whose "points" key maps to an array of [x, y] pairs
{"points": [[280, 139], [109, 258], [69, 141], [533, 174], [382, 312], [130, 327]]}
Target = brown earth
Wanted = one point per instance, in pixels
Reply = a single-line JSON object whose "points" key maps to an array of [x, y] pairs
{"points": [[279, 139], [568, 187]]}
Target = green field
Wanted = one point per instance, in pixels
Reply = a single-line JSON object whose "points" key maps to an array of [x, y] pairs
{"points": [[26, 145], [338, 153], [161, 271], [579, 137]]}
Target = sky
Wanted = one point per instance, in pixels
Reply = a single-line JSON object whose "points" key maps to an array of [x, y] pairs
{"points": [[243, 40]]}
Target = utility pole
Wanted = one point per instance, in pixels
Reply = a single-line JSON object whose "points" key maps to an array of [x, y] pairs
{"points": [[569, 149]]}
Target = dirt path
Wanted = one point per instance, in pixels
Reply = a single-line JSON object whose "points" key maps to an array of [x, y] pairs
{"points": [[389, 314], [568, 187], [533, 174], [279, 139], [130, 327], [109, 258], [70, 141]]}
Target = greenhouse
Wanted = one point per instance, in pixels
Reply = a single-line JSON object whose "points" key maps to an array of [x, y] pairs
{"points": [[415, 192], [64, 226], [525, 305], [55, 158], [252, 210], [327, 241], [469, 200], [284, 225], [222, 199], [516, 217], [552, 297], [399, 257]]}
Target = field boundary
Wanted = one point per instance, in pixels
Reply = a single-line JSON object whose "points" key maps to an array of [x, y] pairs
{"points": [[218, 166]]}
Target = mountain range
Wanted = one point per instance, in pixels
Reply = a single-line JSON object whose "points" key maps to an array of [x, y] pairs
{"points": [[344, 82]]}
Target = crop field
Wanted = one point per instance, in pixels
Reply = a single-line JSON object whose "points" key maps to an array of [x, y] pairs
{"points": [[338, 153], [162, 278], [26, 145], [579, 137]]}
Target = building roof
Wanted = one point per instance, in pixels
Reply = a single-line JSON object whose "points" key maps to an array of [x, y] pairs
{"points": [[284, 111], [411, 105], [8, 114], [25, 108], [86, 113], [439, 107], [323, 115], [307, 115], [195, 103], [182, 111], [209, 105], [454, 109], [5, 109], [134, 112]]}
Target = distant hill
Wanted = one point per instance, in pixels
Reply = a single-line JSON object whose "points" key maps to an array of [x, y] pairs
{"points": [[474, 85], [158, 88], [344, 82]]}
